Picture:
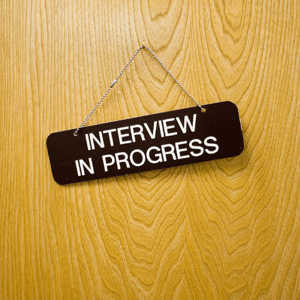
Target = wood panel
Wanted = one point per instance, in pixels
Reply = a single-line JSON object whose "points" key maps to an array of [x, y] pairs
{"points": [[226, 229]]}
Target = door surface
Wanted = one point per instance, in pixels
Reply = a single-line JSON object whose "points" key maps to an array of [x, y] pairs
{"points": [[225, 229]]}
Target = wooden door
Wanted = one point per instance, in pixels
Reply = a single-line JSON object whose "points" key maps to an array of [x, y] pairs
{"points": [[226, 229]]}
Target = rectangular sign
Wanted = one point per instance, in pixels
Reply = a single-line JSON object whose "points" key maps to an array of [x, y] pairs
{"points": [[152, 142]]}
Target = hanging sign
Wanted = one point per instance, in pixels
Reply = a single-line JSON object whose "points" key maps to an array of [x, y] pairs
{"points": [[152, 142]]}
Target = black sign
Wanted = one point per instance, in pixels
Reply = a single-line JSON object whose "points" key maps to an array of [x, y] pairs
{"points": [[146, 143]]}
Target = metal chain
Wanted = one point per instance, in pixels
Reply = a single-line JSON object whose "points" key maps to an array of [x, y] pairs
{"points": [[115, 81]]}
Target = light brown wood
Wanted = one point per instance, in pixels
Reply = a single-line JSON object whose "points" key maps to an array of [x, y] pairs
{"points": [[226, 229]]}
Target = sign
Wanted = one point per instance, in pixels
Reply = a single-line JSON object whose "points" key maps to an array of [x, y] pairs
{"points": [[152, 142]]}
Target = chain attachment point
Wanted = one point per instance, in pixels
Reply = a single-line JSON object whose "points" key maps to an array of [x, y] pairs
{"points": [[113, 83]]}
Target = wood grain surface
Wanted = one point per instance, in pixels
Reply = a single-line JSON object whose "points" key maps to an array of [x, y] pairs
{"points": [[226, 229]]}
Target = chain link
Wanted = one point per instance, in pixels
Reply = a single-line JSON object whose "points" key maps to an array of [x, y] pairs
{"points": [[116, 80]]}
